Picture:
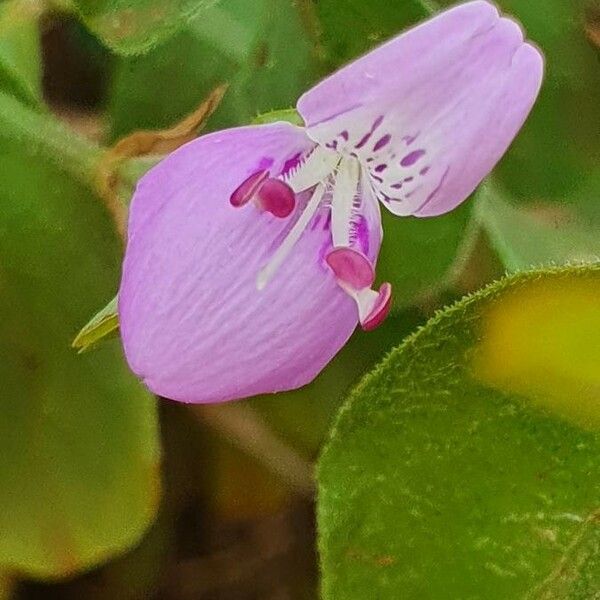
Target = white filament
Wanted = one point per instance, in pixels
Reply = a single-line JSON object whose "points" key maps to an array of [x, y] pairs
{"points": [[319, 164], [344, 192], [365, 301], [292, 237]]}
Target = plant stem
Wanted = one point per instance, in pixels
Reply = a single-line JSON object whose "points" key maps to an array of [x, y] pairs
{"points": [[244, 428], [43, 134]]}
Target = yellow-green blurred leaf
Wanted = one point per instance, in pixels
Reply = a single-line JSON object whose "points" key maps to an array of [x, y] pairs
{"points": [[79, 450], [20, 61], [543, 342], [104, 324]]}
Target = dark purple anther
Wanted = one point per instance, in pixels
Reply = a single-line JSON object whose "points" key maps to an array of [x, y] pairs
{"points": [[380, 308], [270, 194], [351, 267], [247, 190], [277, 197]]}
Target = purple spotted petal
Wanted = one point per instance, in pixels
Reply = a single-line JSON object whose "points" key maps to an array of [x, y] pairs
{"points": [[194, 325], [433, 110]]}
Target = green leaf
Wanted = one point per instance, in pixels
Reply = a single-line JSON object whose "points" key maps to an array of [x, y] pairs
{"points": [[103, 325], [530, 236], [79, 454], [418, 254], [20, 64], [559, 145], [135, 26], [277, 72], [352, 27], [290, 115], [7, 586], [244, 43], [466, 465]]}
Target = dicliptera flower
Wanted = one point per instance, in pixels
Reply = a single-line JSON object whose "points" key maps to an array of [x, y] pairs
{"points": [[251, 251]]}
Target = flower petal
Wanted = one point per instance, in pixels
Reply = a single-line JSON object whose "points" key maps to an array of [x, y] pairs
{"points": [[194, 325], [433, 110]]}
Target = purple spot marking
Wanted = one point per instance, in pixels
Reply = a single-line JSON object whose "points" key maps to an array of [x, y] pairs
{"points": [[362, 235], [344, 135], [382, 142], [368, 135], [266, 162], [412, 158], [380, 168], [424, 171], [409, 139], [377, 178], [435, 191], [407, 179], [396, 186], [291, 163]]}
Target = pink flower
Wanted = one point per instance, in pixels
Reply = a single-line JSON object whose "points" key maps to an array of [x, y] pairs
{"points": [[251, 251]]}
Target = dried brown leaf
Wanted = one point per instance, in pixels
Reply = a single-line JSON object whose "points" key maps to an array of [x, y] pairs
{"points": [[144, 143]]}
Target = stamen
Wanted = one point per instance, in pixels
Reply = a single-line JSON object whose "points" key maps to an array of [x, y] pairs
{"points": [[292, 237], [270, 194], [374, 307], [354, 273], [315, 168], [248, 188], [351, 268], [277, 197]]}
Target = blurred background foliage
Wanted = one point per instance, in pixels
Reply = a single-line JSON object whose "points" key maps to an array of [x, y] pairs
{"points": [[107, 492]]}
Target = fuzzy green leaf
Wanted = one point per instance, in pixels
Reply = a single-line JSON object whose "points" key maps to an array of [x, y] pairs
{"points": [[467, 464]]}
